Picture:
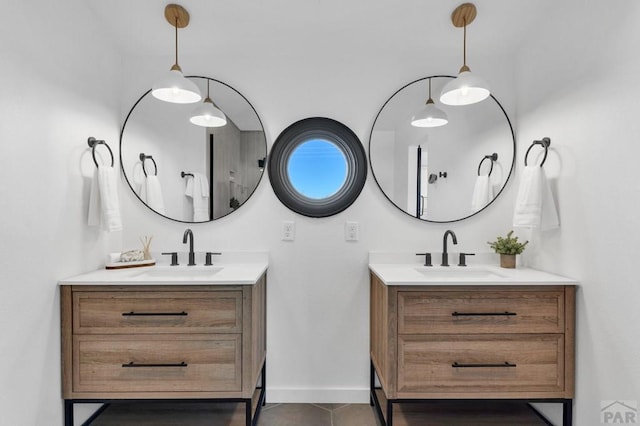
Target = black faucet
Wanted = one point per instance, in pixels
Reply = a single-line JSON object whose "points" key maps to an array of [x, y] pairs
{"points": [[445, 253], [192, 256]]}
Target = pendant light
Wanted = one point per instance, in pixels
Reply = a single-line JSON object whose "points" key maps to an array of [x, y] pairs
{"points": [[467, 88], [174, 87], [430, 115], [207, 114]]}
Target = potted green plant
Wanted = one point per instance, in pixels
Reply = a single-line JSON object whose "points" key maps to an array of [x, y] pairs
{"points": [[508, 248]]}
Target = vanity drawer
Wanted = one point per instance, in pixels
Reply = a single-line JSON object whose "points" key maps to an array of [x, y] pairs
{"points": [[148, 363], [139, 312], [443, 364], [481, 311]]}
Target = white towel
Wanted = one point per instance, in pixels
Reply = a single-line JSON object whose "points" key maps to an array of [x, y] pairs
{"points": [[535, 207], [151, 194], [104, 205], [94, 218], [198, 189], [482, 193]]}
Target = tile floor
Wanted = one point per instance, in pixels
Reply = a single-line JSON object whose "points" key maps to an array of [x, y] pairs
{"points": [[227, 414]]}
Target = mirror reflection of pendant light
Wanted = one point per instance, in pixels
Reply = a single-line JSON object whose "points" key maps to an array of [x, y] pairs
{"points": [[467, 88], [207, 114], [174, 87], [430, 115]]}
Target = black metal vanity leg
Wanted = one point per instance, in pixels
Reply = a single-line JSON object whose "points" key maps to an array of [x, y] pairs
{"points": [[372, 384], [247, 411], [264, 383], [68, 412], [389, 412], [567, 412]]}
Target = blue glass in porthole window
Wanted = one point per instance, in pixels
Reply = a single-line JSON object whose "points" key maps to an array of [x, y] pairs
{"points": [[317, 169]]}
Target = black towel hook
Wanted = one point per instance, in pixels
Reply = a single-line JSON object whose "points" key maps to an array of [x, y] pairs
{"points": [[144, 157], [183, 174], [93, 142], [493, 157], [544, 142]]}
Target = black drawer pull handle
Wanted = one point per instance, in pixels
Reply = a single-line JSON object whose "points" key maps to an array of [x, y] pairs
{"points": [[483, 314], [506, 364], [134, 365], [153, 314]]}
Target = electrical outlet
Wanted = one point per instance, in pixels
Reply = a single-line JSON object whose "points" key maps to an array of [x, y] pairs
{"points": [[288, 230], [351, 231]]}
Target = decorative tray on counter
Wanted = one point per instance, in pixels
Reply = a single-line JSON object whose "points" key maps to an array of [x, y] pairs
{"points": [[133, 264]]}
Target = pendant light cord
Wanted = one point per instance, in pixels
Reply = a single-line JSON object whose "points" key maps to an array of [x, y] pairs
{"points": [[464, 44], [429, 100], [464, 47], [176, 27]]}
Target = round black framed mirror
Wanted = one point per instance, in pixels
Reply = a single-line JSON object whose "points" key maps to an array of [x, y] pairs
{"points": [[190, 173], [317, 167], [446, 173]]}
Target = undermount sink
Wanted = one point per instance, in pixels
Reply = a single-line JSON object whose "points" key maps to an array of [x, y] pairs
{"points": [[180, 273], [456, 273]]}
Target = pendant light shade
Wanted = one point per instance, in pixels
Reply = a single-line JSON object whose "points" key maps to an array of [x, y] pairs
{"points": [[467, 88], [174, 87], [430, 115], [207, 114]]}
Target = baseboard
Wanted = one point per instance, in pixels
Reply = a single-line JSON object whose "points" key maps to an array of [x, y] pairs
{"points": [[317, 396]]}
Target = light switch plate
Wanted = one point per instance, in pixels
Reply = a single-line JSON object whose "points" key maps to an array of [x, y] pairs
{"points": [[351, 231], [288, 230]]}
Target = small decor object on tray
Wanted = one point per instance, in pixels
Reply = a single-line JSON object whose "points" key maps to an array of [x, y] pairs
{"points": [[508, 248], [132, 258], [146, 246]]}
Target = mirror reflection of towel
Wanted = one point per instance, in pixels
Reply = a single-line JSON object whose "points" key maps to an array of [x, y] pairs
{"points": [[482, 193], [198, 189], [151, 194], [535, 207]]}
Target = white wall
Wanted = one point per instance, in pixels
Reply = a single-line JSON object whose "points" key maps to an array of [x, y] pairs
{"points": [[577, 84], [61, 84]]}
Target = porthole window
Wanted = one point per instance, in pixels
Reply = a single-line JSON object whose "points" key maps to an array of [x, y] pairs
{"points": [[317, 167]]}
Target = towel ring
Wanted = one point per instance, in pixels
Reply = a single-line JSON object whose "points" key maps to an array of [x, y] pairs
{"points": [[545, 142], [183, 174], [493, 157], [93, 142], [145, 157]]}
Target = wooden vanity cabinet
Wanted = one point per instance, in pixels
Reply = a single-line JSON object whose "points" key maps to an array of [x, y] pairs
{"points": [[472, 342], [200, 342]]}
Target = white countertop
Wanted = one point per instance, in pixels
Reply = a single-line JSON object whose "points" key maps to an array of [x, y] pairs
{"points": [[403, 269], [236, 268]]}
